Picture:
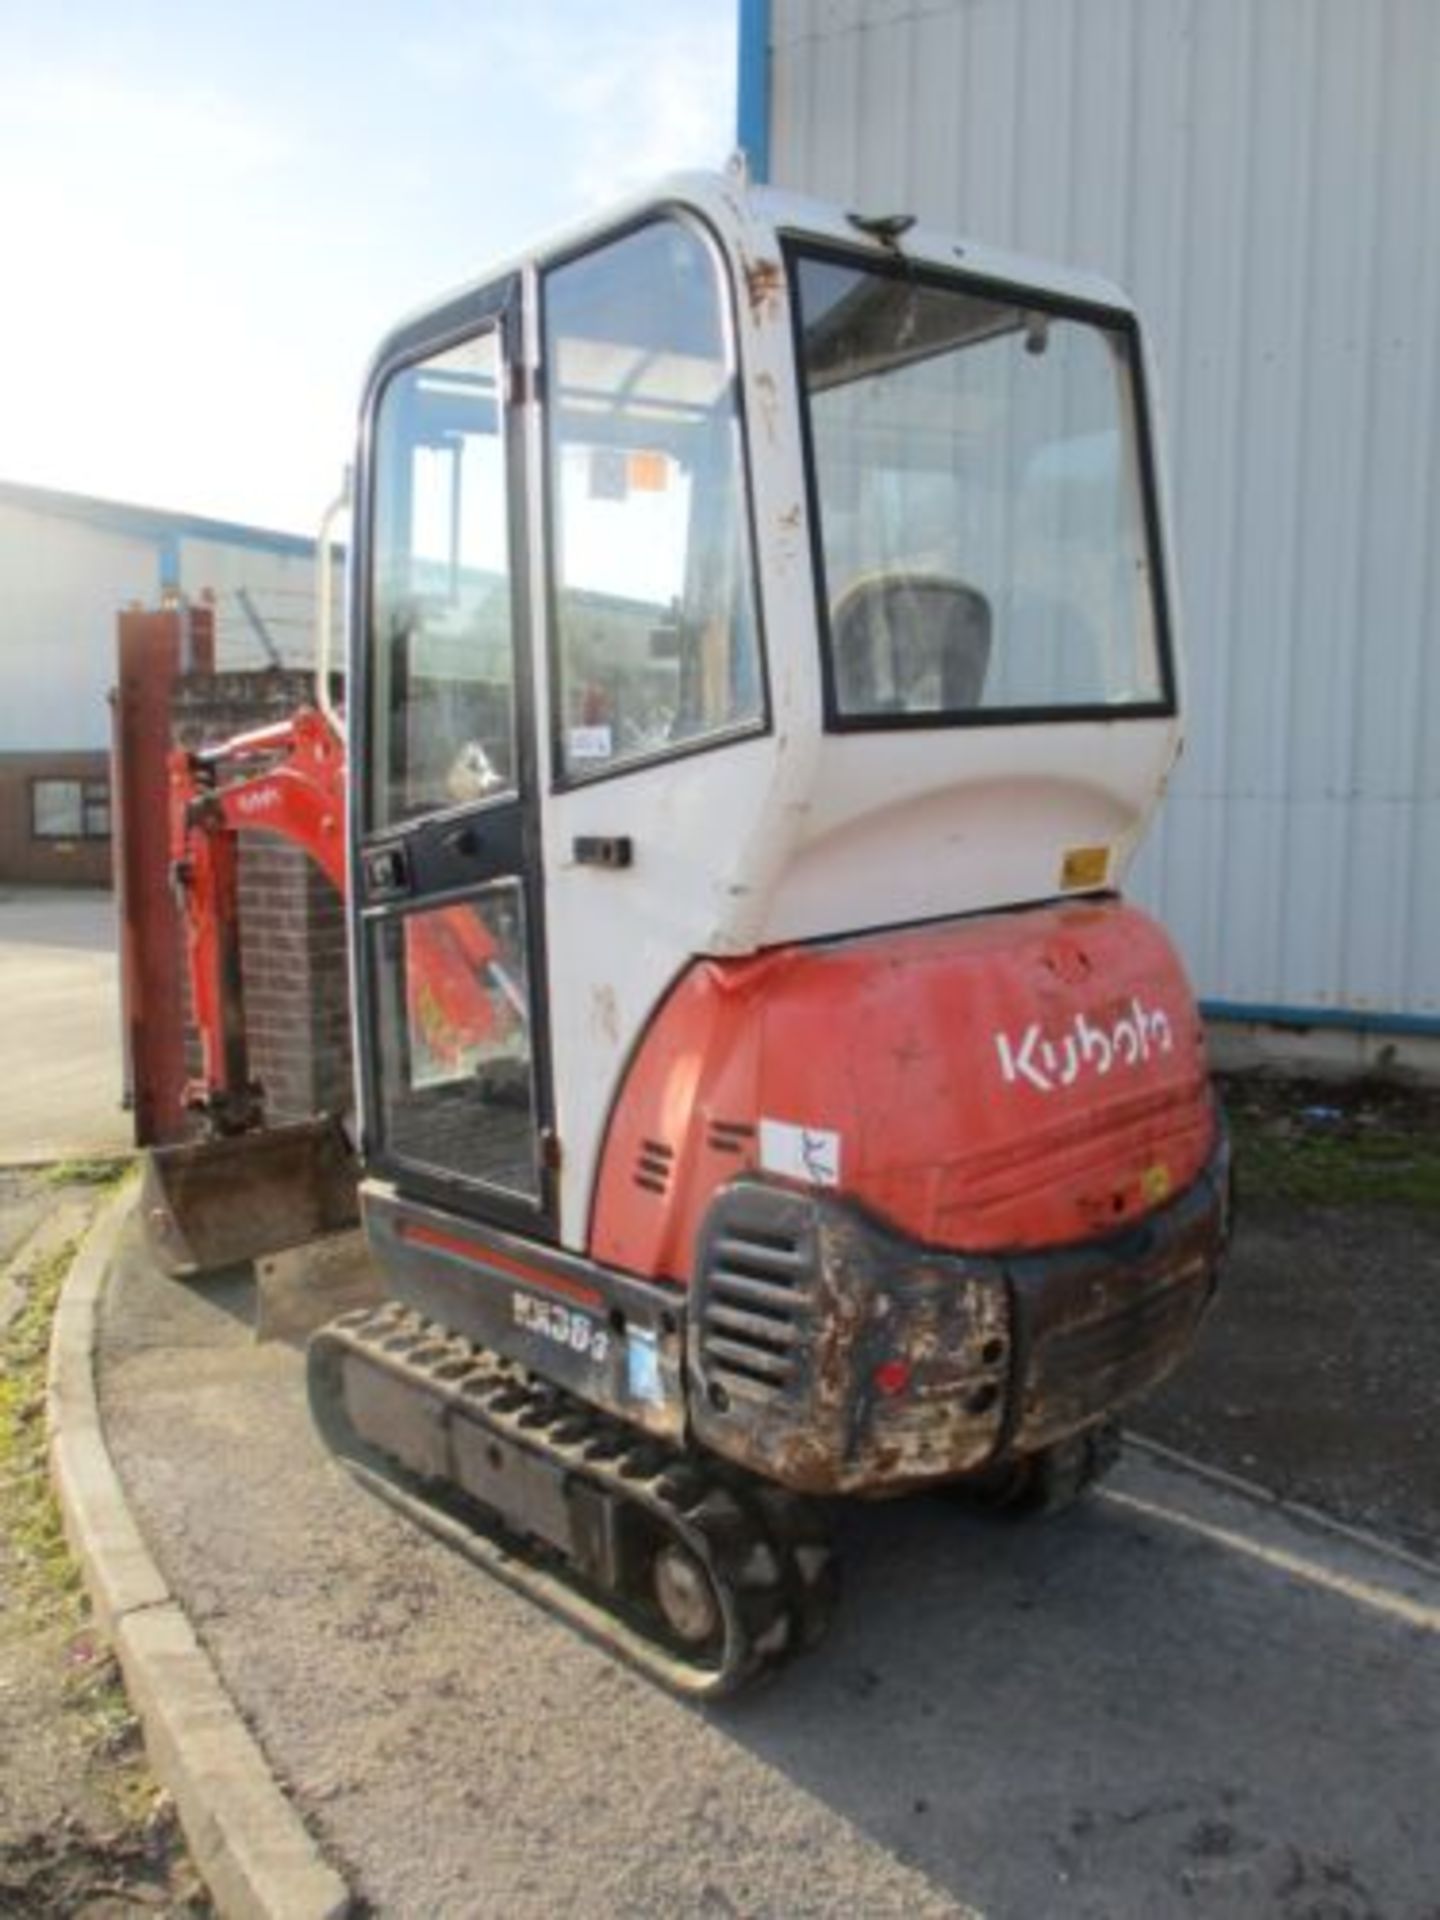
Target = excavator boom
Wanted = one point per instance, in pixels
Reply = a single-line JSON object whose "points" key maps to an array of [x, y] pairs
{"points": [[248, 1186]]}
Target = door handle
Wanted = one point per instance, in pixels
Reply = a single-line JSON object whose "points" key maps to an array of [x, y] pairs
{"points": [[603, 850], [387, 872], [464, 840]]}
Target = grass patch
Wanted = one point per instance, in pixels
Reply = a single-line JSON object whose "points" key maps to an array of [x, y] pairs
{"points": [[1322, 1145], [98, 1171], [46, 1593], [112, 1829], [29, 1514]]}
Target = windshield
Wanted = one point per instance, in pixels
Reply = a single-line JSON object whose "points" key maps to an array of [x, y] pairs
{"points": [[982, 521]]}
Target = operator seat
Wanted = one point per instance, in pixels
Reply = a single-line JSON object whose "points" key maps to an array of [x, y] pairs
{"points": [[910, 643]]}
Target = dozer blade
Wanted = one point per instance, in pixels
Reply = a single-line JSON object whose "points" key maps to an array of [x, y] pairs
{"points": [[216, 1203]]}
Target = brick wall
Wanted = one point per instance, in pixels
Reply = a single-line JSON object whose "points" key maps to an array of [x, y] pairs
{"points": [[292, 925]]}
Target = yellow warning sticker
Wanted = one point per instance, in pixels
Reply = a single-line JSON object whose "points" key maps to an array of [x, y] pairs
{"points": [[1155, 1183], [1084, 867]]}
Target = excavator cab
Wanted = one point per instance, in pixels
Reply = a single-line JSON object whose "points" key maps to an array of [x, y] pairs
{"points": [[762, 675]]}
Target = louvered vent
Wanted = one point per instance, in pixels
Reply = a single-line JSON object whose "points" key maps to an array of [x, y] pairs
{"points": [[730, 1136], [756, 1310], [653, 1166]]}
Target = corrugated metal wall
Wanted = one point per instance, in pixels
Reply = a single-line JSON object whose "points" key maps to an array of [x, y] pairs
{"points": [[1264, 176], [280, 590], [61, 584], [65, 575]]}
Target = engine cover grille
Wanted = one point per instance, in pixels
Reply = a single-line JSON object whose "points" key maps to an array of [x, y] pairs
{"points": [[757, 1302]]}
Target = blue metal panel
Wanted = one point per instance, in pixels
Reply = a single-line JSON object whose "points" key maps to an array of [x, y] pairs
{"points": [[752, 119], [1343, 1019]]}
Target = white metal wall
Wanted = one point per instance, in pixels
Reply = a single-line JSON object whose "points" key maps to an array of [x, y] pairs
{"points": [[1264, 176], [64, 579], [280, 588], [61, 584]]}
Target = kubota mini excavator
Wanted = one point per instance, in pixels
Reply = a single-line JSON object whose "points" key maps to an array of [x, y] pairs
{"points": [[763, 669]]}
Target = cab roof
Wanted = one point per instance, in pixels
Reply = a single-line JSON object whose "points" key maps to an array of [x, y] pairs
{"points": [[750, 221]]}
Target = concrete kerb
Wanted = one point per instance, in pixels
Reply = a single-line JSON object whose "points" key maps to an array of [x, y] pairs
{"points": [[247, 1840]]}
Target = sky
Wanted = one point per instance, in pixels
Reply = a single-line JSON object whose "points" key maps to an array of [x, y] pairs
{"points": [[209, 215]]}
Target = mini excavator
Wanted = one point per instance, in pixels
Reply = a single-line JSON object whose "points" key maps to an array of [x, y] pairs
{"points": [[762, 671]]}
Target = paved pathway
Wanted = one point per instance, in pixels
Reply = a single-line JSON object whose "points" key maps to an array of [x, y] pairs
{"points": [[1179, 1701], [60, 1035]]}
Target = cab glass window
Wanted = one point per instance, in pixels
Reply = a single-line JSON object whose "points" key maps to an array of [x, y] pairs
{"points": [[457, 1071], [442, 652], [977, 474], [655, 634]]}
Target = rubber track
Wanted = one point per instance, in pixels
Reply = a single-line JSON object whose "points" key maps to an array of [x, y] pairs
{"points": [[766, 1551]]}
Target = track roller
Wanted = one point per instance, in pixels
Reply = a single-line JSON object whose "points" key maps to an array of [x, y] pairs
{"points": [[1045, 1483]]}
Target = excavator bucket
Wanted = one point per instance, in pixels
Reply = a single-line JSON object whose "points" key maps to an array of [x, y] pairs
{"points": [[216, 1203]]}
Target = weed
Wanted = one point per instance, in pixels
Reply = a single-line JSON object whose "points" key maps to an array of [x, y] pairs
{"points": [[1331, 1146], [125, 1843], [29, 1516], [96, 1171]]}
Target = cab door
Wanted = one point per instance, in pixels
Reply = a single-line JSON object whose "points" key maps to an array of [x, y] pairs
{"points": [[454, 1074]]}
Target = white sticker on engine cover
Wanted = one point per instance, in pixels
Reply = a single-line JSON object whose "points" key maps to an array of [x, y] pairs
{"points": [[811, 1154]]}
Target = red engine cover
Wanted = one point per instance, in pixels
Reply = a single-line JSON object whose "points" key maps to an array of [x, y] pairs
{"points": [[1024, 1080]]}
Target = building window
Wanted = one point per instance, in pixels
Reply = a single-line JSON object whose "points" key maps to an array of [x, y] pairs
{"points": [[70, 809], [97, 809]]}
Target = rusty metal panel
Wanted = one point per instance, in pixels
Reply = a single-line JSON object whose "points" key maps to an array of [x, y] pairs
{"points": [[831, 1354], [208, 1204], [154, 650], [1262, 176]]}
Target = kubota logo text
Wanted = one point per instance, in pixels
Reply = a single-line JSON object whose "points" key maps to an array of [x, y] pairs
{"points": [[1046, 1061], [258, 799]]}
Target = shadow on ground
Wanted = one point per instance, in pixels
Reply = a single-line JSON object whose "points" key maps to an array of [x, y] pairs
{"points": [[1114, 1714]]}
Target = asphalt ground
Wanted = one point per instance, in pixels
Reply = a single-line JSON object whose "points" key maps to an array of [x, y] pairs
{"points": [[1316, 1371], [60, 1027], [1178, 1700]]}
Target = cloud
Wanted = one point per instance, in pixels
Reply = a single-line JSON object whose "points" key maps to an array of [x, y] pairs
{"points": [[662, 102], [122, 205], [77, 118], [623, 96], [205, 229]]}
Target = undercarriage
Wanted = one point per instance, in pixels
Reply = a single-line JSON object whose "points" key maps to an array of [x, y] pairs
{"points": [[696, 1573], [688, 1532]]}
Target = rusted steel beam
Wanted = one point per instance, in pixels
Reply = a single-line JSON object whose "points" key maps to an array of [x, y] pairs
{"points": [[154, 649]]}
